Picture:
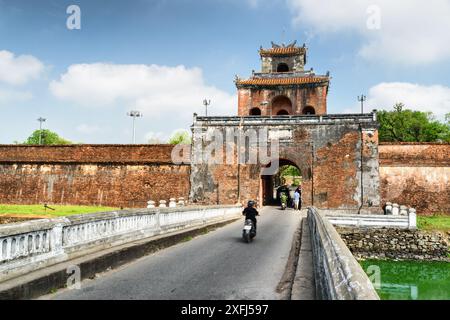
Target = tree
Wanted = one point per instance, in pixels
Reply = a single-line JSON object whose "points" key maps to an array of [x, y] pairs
{"points": [[48, 138], [404, 125], [180, 137], [290, 171]]}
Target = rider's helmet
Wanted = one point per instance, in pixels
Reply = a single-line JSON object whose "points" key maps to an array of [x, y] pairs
{"points": [[251, 203]]}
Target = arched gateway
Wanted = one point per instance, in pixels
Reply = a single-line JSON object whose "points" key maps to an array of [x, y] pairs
{"points": [[337, 155]]}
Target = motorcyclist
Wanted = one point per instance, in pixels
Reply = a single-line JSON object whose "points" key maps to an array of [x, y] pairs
{"points": [[250, 212]]}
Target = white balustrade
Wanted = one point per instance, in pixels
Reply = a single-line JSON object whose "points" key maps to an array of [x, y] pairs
{"points": [[26, 244], [395, 209], [172, 203], [388, 208], [403, 210]]}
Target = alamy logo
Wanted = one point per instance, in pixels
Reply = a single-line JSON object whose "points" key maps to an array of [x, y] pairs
{"points": [[74, 279], [74, 20], [374, 20]]}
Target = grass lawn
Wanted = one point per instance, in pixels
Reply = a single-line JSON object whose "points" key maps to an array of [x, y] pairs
{"points": [[435, 222], [39, 210]]}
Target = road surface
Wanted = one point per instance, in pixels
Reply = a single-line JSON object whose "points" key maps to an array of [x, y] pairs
{"points": [[217, 265]]}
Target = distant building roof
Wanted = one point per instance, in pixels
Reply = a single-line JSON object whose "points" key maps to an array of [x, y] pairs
{"points": [[282, 51], [283, 81]]}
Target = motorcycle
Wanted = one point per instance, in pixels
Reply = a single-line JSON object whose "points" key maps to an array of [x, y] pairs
{"points": [[249, 231], [283, 199]]}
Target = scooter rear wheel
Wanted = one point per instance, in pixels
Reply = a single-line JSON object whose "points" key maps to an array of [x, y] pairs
{"points": [[247, 237]]}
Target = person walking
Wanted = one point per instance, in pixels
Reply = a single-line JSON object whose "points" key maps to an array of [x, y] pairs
{"points": [[299, 197], [296, 199]]}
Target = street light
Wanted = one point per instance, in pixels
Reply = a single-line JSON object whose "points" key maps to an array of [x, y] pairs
{"points": [[206, 103], [361, 99], [40, 128], [135, 114]]}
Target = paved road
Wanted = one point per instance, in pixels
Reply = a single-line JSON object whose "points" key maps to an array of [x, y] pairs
{"points": [[217, 265]]}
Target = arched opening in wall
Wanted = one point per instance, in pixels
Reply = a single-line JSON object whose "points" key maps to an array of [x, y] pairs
{"points": [[286, 180], [282, 67], [282, 113], [255, 111], [309, 110], [281, 103]]}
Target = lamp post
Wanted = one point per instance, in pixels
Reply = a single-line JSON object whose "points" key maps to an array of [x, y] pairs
{"points": [[206, 103], [134, 114], [40, 128], [361, 99]]}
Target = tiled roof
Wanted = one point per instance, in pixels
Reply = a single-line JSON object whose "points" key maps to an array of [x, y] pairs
{"points": [[282, 51], [282, 81]]}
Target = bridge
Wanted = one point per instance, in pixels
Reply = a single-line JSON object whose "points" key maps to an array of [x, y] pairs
{"points": [[191, 252]]}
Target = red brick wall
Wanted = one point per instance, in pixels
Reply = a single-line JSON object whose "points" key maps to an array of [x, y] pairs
{"points": [[417, 175], [112, 175], [300, 98], [331, 180]]}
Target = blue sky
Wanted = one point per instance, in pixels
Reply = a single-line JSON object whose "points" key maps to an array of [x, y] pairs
{"points": [[164, 57]]}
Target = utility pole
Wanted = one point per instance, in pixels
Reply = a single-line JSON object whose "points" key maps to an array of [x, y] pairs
{"points": [[40, 128], [361, 99], [134, 114]]}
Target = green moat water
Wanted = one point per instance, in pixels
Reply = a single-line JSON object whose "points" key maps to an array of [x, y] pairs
{"points": [[410, 280]]}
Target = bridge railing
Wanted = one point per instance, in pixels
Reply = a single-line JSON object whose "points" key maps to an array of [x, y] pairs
{"points": [[338, 276], [31, 245]]}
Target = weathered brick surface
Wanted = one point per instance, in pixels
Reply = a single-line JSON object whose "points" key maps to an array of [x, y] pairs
{"points": [[328, 157], [86, 153], [113, 175], [301, 98], [416, 175]]}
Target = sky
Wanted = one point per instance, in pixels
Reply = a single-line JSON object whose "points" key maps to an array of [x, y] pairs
{"points": [[163, 57]]}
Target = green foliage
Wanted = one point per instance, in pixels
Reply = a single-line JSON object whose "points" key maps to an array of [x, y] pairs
{"points": [[289, 171], [180, 137], [405, 125], [60, 210], [434, 222], [48, 138]]}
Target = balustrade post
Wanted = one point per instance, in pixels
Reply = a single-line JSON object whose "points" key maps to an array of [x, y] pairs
{"points": [[55, 235], [412, 219]]}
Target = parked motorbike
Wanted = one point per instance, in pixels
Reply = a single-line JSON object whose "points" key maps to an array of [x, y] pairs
{"points": [[249, 231]]}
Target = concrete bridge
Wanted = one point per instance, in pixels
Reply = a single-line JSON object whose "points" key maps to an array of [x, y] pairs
{"points": [[153, 254]]}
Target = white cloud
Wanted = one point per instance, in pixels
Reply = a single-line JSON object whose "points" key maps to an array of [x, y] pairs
{"points": [[434, 98], [88, 129], [156, 137], [411, 31], [160, 92], [162, 137], [18, 70]]}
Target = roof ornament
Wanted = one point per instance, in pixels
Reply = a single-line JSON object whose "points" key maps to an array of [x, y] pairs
{"points": [[283, 45], [292, 45], [274, 45], [236, 78]]}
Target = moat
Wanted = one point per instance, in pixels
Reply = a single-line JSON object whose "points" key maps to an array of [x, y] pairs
{"points": [[410, 280]]}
